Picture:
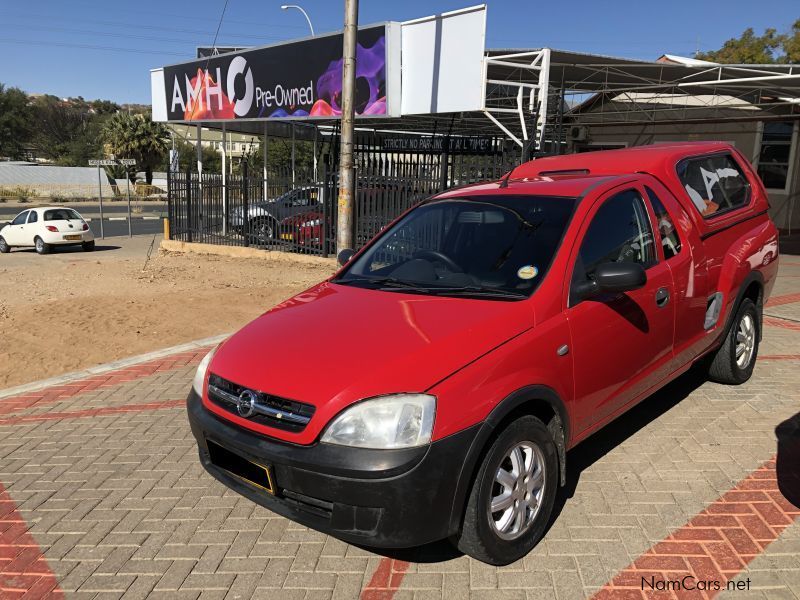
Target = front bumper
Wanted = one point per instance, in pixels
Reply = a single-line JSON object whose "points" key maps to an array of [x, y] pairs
{"points": [[379, 498]]}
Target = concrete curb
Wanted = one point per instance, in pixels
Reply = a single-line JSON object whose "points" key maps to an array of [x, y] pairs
{"points": [[112, 366], [244, 252]]}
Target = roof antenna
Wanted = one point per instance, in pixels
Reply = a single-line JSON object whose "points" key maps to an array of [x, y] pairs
{"points": [[504, 181]]}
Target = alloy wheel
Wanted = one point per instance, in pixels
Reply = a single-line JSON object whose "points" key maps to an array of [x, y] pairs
{"points": [[517, 491], [745, 341]]}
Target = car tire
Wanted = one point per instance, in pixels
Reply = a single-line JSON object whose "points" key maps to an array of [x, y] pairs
{"points": [[262, 231], [500, 538], [735, 360], [41, 246], [87, 246], [4, 247]]}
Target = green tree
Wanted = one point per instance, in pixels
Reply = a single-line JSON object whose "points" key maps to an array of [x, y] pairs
{"points": [[66, 131], [749, 48], [791, 44], [137, 136], [187, 158], [279, 156], [15, 122]]}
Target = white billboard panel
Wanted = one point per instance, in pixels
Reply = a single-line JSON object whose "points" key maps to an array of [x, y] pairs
{"points": [[158, 95], [442, 62]]}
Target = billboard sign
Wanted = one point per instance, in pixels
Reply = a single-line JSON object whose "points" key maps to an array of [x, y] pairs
{"points": [[300, 79]]}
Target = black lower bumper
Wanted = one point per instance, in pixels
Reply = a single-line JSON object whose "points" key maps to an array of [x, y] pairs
{"points": [[380, 498]]}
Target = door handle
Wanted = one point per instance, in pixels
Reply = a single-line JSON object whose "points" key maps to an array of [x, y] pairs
{"points": [[662, 297]]}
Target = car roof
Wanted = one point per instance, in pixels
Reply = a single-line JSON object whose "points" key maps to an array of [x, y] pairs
{"points": [[561, 185], [655, 159], [43, 208]]}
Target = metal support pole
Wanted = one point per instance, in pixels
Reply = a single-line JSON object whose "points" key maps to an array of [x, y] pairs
{"points": [[128, 187], [266, 152], [199, 148], [100, 195], [293, 145], [316, 132], [544, 91], [344, 228], [224, 180]]}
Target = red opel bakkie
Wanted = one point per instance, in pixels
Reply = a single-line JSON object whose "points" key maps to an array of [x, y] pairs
{"points": [[483, 334]]}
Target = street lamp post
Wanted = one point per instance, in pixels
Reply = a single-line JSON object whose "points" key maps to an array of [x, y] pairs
{"points": [[305, 14]]}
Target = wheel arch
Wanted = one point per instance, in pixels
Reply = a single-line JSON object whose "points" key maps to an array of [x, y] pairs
{"points": [[752, 287], [539, 401]]}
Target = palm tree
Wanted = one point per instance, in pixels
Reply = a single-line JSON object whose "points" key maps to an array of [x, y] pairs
{"points": [[136, 136]]}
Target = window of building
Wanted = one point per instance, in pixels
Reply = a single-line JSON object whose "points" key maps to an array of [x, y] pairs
{"points": [[714, 184], [619, 232], [774, 158], [666, 226]]}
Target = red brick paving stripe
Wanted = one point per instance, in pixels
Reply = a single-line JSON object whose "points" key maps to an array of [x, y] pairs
{"points": [[57, 393], [385, 580], [24, 572], [785, 299], [716, 545], [782, 323], [92, 412]]}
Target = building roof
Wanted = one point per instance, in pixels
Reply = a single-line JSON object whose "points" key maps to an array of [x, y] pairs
{"points": [[32, 174]]}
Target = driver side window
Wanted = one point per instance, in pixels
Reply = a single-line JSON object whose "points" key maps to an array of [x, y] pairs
{"points": [[620, 231], [20, 218]]}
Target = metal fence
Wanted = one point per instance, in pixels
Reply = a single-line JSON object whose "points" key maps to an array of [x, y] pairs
{"points": [[297, 211]]}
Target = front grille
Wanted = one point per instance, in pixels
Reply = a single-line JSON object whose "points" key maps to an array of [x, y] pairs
{"points": [[271, 411]]}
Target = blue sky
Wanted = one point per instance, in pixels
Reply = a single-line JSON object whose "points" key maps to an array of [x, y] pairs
{"points": [[105, 49]]}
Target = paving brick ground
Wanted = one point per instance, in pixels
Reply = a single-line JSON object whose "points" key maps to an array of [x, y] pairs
{"points": [[102, 496]]}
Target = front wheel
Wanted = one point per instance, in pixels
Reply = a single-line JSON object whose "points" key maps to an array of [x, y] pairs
{"points": [[4, 247], [512, 497], [736, 358], [41, 247]]}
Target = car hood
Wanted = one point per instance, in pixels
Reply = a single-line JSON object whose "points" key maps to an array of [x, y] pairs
{"points": [[333, 345]]}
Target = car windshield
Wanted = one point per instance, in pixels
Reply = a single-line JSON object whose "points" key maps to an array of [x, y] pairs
{"points": [[495, 247], [61, 214]]}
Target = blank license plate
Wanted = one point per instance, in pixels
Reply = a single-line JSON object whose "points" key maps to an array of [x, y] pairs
{"points": [[253, 473]]}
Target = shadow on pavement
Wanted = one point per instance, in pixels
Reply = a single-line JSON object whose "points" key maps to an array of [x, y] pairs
{"points": [[581, 457], [787, 464], [67, 250]]}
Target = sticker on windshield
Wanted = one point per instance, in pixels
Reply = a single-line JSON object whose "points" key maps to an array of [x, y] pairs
{"points": [[527, 272]]}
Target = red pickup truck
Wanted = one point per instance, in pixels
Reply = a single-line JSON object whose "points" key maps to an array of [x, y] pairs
{"points": [[482, 335]]}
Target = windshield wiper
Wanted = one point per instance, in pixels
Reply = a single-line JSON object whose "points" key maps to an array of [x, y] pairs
{"points": [[481, 292], [391, 282]]}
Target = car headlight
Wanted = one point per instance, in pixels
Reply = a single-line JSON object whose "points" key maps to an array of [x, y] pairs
{"points": [[396, 421], [202, 370], [314, 223]]}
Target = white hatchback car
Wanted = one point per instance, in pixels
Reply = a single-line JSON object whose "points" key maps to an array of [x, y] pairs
{"points": [[46, 227]]}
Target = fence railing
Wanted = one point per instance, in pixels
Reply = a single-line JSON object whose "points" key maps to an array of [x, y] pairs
{"points": [[297, 212]]}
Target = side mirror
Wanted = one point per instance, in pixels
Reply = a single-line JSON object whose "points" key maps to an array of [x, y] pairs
{"points": [[345, 255], [613, 277]]}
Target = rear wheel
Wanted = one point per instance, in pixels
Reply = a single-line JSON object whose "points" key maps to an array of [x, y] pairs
{"points": [[4, 247], [736, 358], [512, 497], [40, 246], [88, 246]]}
